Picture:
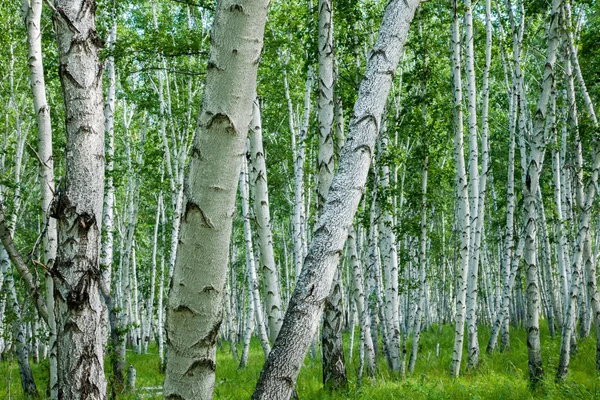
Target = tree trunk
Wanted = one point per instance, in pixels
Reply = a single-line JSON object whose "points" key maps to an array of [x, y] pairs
{"points": [[263, 222], [533, 171], [78, 306], [423, 269], [280, 372], [250, 263], [194, 313], [33, 12], [463, 217]]}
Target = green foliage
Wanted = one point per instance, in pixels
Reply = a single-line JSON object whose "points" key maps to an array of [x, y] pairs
{"points": [[499, 376]]}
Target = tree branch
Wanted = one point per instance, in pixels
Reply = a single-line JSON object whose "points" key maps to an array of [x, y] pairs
{"points": [[17, 259]]}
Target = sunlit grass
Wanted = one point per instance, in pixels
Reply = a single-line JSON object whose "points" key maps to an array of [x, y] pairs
{"points": [[500, 376]]}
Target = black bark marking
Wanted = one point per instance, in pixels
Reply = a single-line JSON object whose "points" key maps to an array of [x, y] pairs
{"points": [[237, 7], [213, 65], [183, 309], [191, 206], [208, 289], [201, 364], [221, 118], [211, 337]]}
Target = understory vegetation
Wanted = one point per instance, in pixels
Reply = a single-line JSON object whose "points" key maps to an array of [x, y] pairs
{"points": [[501, 375]]}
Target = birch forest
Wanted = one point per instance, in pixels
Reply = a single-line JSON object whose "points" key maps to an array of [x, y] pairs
{"points": [[307, 199]]}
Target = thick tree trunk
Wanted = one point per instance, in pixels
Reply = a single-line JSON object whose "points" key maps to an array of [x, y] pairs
{"points": [[280, 372], [334, 366], [194, 313], [77, 275]]}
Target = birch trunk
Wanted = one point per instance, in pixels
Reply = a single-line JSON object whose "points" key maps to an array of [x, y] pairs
{"points": [[390, 267], [150, 304], [359, 298], [533, 170], [280, 372], [334, 366], [76, 275], [251, 266], [463, 217], [194, 313], [423, 270], [263, 222], [33, 12]]}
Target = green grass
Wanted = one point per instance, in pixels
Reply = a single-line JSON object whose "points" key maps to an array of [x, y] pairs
{"points": [[501, 376]]}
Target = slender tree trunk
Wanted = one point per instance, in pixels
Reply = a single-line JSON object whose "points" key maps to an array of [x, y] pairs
{"points": [[533, 170], [263, 222], [251, 266], [194, 313], [463, 217], [150, 304], [280, 372], [33, 12], [390, 267], [423, 269], [475, 213], [20, 337]]}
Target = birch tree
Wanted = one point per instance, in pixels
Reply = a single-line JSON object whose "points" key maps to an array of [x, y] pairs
{"points": [[78, 208], [277, 380], [194, 316]]}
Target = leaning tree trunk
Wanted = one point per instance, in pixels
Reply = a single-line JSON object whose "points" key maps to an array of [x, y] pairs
{"points": [[278, 378], [33, 13], [194, 312]]}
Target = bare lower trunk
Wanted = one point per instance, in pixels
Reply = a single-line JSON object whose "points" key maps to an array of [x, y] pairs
{"points": [[263, 222], [463, 217], [194, 313], [78, 306]]}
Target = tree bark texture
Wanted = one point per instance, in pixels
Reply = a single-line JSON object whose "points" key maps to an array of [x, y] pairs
{"points": [[194, 312], [78, 209], [278, 378]]}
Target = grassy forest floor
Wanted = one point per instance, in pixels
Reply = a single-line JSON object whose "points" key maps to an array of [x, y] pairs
{"points": [[499, 376]]}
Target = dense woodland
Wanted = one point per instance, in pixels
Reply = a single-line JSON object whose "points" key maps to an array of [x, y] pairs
{"points": [[374, 195]]}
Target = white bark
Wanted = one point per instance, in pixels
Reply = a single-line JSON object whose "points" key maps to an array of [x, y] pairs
{"points": [[150, 304], [390, 267], [194, 313], [281, 370], [533, 170], [263, 222], [463, 217], [33, 11], [251, 266], [78, 306], [422, 270]]}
